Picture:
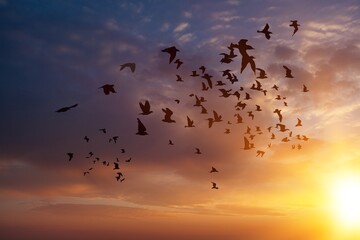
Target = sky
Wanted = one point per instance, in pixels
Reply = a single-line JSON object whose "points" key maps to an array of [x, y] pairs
{"points": [[56, 54]]}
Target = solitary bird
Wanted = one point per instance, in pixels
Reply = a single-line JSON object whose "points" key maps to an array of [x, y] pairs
{"points": [[168, 114], [108, 88], [275, 87], [214, 186], [141, 128], [298, 123], [65, 109], [128, 160], [178, 63], [213, 170], [288, 72], [145, 108], [129, 65], [295, 25], [266, 31], [178, 78], [282, 127], [86, 139], [260, 153], [172, 51], [102, 130], [71, 155], [190, 123], [116, 166], [197, 151], [262, 73], [305, 89], [171, 142]]}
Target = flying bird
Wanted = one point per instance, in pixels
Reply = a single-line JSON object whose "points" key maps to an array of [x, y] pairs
{"points": [[128, 160], [141, 128], [262, 73], [260, 153], [108, 88], [168, 114], [203, 110], [145, 108], [197, 151], [178, 63], [177, 101], [305, 89], [202, 68], [295, 25], [103, 130], [245, 61], [288, 72], [171, 142], [266, 31], [65, 109], [172, 51], [71, 155], [214, 186], [275, 87], [90, 155], [213, 170], [190, 123], [298, 123], [86, 139], [278, 112], [217, 117], [116, 166], [282, 127], [178, 78], [129, 65]]}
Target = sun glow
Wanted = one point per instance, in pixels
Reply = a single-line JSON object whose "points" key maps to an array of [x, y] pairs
{"points": [[346, 201]]}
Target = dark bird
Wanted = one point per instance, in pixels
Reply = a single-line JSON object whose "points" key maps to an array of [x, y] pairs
{"points": [[272, 136], [245, 61], [178, 78], [170, 142], [258, 108], [202, 68], [128, 160], [266, 31], [251, 115], [102, 130], [260, 153], [213, 170], [87, 172], [178, 63], [241, 105], [204, 87], [262, 73], [288, 72], [90, 155], [194, 74], [168, 114], [190, 123], [197, 151], [295, 25], [211, 121], [264, 91], [214, 186], [197, 102], [129, 65], [247, 145], [248, 130], [227, 131], [141, 128], [298, 123], [285, 139], [239, 118], [305, 89], [86, 139], [298, 146], [278, 97], [305, 138], [116, 166], [65, 109], [233, 78], [225, 93], [119, 175], [71, 155], [108, 88], [172, 51], [115, 138], [203, 110], [278, 112], [177, 101], [208, 77], [237, 95], [285, 104], [282, 127], [219, 83], [145, 108], [122, 150], [275, 87], [247, 96], [243, 46], [226, 58], [217, 117]]}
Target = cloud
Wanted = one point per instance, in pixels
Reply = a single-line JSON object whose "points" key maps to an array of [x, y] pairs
{"points": [[225, 16], [181, 27], [165, 27], [186, 38]]}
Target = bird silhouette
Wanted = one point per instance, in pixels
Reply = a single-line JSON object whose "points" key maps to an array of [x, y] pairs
{"points": [[171, 142], [278, 112], [71, 155], [194, 74], [227, 131], [305, 89], [262, 73], [168, 114], [145, 108], [86, 139], [220, 83], [288, 72], [203, 110], [103, 130], [285, 139], [172, 51], [202, 68], [178, 63], [217, 117], [251, 115], [241, 105], [116, 166], [141, 128], [298, 123], [65, 109], [211, 121], [245, 61], [197, 151], [295, 25], [129, 65], [258, 108], [260, 153], [190, 123], [108, 88], [208, 77], [225, 93], [128, 160], [275, 87], [214, 186], [213, 170], [247, 145], [239, 119], [122, 150], [266, 31], [305, 138], [90, 155], [178, 78], [282, 127], [204, 87], [177, 101], [115, 138], [247, 96], [87, 172]]}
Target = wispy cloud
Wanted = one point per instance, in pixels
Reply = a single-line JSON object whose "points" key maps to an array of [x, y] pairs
{"points": [[181, 27]]}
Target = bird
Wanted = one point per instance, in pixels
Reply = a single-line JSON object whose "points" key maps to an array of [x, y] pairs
{"points": [[145, 108], [247, 96], [288, 72], [65, 109], [262, 73], [119, 175], [217, 117], [102, 130], [258, 108], [129, 65], [168, 114], [251, 115], [141, 128], [225, 93], [241, 105], [295, 25], [247, 145], [116, 166], [282, 127], [190, 123], [204, 87], [108, 88], [278, 112], [305, 89], [90, 155], [128, 160], [260, 153], [208, 77], [213, 170], [266, 31], [86, 139], [177, 101], [219, 83], [71, 155], [239, 119], [122, 150], [242, 46], [211, 121], [87, 172], [245, 61], [171, 142], [202, 68], [298, 123], [178, 78], [197, 151], [305, 138], [115, 138], [178, 63], [272, 136], [237, 95], [194, 74], [275, 87], [214, 186], [203, 110], [227, 131], [172, 51], [285, 139]]}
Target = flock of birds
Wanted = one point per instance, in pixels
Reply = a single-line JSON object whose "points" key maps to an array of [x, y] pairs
{"points": [[242, 96]]}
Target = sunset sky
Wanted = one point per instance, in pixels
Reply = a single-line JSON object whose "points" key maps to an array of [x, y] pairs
{"points": [[55, 54]]}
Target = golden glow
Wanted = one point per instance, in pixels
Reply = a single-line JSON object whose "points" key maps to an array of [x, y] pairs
{"points": [[346, 201]]}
